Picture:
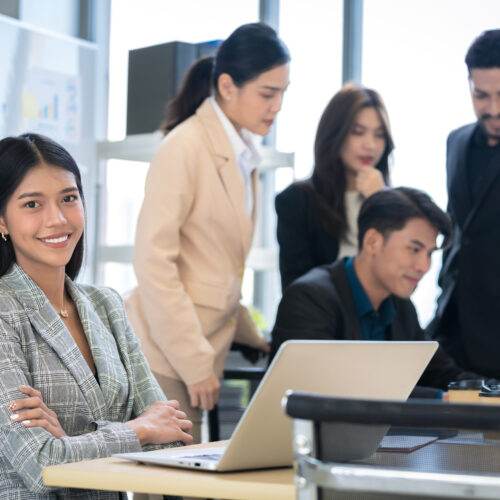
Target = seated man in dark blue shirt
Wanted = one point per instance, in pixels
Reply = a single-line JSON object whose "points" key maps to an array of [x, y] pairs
{"points": [[366, 297]]}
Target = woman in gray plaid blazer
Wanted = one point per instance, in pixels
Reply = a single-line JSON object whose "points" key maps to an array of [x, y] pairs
{"points": [[74, 384]]}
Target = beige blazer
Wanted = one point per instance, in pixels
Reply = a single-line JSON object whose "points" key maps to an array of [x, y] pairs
{"points": [[193, 236]]}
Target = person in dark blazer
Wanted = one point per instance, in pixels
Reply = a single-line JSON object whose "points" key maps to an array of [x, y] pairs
{"points": [[467, 321], [74, 382], [317, 216], [367, 297]]}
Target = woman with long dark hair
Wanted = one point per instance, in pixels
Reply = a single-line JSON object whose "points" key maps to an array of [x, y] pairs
{"points": [[317, 217], [196, 223], [74, 382]]}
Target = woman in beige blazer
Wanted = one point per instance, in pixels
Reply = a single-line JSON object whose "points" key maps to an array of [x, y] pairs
{"points": [[196, 223]]}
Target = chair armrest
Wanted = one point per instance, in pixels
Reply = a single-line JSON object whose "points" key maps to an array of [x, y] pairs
{"points": [[244, 373]]}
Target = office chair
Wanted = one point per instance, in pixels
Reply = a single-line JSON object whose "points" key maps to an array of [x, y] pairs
{"points": [[457, 468]]}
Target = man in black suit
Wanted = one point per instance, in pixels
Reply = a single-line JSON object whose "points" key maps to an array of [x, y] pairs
{"points": [[467, 322], [366, 297]]}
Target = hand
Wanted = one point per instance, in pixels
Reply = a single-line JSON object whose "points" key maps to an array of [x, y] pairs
{"points": [[445, 396], [204, 394], [263, 346], [35, 412], [161, 423], [369, 180]]}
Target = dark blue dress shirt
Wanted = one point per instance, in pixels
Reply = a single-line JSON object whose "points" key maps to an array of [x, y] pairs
{"points": [[374, 324]]}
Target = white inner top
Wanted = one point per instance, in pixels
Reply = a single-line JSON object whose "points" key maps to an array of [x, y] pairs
{"points": [[244, 149], [349, 245]]}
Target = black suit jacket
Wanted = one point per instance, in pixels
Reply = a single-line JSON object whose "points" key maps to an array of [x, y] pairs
{"points": [[320, 306], [303, 242], [467, 321]]}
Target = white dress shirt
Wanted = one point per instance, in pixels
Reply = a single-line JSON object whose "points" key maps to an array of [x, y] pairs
{"points": [[244, 149], [349, 245]]}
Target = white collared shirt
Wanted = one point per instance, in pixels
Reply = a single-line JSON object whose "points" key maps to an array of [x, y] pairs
{"points": [[244, 149], [349, 244]]}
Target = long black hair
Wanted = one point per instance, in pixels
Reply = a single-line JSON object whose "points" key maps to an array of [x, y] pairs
{"points": [[18, 155], [249, 51], [328, 183]]}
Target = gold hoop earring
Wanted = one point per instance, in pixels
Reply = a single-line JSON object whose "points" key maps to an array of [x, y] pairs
{"points": [[4, 238]]}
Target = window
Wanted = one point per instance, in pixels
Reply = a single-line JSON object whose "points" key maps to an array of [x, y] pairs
{"points": [[413, 54], [135, 25], [313, 33], [150, 22]]}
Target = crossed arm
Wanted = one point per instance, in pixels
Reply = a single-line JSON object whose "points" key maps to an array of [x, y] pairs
{"points": [[35, 434]]}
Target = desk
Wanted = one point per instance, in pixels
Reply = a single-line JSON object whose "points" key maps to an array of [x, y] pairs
{"points": [[423, 470], [460, 468], [117, 474]]}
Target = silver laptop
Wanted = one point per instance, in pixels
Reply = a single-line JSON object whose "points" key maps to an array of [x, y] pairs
{"points": [[263, 436]]}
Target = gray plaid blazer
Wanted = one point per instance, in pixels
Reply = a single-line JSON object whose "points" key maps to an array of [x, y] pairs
{"points": [[37, 349]]}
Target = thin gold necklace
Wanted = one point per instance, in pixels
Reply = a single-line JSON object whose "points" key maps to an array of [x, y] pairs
{"points": [[63, 312]]}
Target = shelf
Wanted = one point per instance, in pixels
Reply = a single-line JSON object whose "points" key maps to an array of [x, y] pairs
{"points": [[141, 147], [259, 259]]}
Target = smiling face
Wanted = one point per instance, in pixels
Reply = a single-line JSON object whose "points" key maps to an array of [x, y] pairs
{"points": [[254, 105], [485, 91], [365, 143], [44, 219], [399, 261]]}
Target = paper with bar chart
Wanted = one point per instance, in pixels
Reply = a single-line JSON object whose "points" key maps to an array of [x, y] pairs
{"points": [[51, 104]]}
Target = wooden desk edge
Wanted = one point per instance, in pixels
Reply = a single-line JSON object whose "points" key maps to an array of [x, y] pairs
{"points": [[116, 474]]}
